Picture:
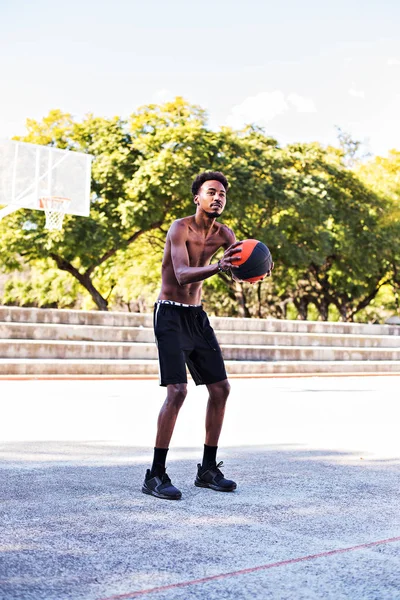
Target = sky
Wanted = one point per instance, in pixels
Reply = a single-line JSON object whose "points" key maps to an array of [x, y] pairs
{"points": [[297, 68]]}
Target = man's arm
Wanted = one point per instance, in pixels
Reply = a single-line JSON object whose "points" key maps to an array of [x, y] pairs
{"points": [[230, 237], [180, 257]]}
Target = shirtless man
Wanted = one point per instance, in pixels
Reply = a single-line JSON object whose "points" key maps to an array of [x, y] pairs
{"points": [[184, 334]]}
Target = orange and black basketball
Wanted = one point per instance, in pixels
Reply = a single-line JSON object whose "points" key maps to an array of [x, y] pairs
{"points": [[254, 263]]}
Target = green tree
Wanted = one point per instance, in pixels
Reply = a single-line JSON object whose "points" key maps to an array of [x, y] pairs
{"points": [[382, 175], [140, 177], [42, 285], [318, 218], [327, 225], [352, 151]]}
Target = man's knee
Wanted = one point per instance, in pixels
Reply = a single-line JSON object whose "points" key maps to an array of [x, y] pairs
{"points": [[220, 391], [177, 393]]}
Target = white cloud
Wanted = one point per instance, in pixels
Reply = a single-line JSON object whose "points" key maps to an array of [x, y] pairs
{"points": [[264, 107], [393, 61], [356, 93], [161, 96], [302, 104], [261, 109]]}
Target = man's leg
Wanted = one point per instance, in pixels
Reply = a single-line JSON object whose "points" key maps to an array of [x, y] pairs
{"points": [[157, 483], [176, 394], [209, 474], [218, 395]]}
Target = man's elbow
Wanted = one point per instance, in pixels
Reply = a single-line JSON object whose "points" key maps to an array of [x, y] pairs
{"points": [[180, 277]]}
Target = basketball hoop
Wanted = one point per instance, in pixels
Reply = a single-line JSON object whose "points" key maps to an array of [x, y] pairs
{"points": [[55, 208]]}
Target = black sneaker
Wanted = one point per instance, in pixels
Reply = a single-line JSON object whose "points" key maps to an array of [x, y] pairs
{"points": [[160, 487], [211, 477]]}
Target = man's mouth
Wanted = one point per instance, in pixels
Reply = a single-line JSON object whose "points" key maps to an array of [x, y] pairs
{"points": [[216, 205]]}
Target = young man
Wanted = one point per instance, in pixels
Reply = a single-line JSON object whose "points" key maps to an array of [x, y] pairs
{"points": [[184, 335]]}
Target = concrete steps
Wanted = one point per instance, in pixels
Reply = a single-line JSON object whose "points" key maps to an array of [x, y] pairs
{"points": [[149, 368], [11, 314], [48, 342], [101, 333], [47, 349]]}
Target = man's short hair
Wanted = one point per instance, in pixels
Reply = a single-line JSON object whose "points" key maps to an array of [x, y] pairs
{"points": [[208, 176]]}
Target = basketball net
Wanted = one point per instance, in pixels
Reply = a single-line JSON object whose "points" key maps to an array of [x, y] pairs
{"points": [[55, 208]]}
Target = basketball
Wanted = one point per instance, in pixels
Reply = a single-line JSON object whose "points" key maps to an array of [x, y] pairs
{"points": [[254, 263]]}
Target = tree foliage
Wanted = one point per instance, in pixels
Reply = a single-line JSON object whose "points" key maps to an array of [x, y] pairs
{"points": [[331, 228]]}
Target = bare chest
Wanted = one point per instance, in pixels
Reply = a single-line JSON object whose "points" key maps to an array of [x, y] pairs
{"points": [[201, 250]]}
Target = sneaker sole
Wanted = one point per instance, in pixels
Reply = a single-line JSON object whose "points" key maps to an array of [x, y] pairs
{"points": [[158, 495], [214, 487]]}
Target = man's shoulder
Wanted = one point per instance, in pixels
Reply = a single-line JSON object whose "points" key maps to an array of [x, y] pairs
{"points": [[183, 222], [225, 231], [179, 226]]}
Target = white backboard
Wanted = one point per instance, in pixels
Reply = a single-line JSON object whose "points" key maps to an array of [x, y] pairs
{"points": [[29, 172]]}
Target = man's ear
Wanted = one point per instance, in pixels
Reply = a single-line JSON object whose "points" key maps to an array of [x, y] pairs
{"points": [[195, 200]]}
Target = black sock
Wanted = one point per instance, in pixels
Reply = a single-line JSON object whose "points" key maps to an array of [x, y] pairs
{"points": [[158, 466], [209, 456]]}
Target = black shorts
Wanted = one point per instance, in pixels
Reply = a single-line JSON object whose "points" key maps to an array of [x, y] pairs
{"points": [[185, 337]]}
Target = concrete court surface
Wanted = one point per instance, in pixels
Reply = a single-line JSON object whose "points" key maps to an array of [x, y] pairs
{"points": [[315, 515]]}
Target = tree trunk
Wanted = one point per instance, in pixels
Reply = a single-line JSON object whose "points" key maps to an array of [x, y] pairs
{"points": [[323, 309], [368, 299], [301, 305], [83, 278], [240, 297], [101, 302], [341, 305], [259, 300]]}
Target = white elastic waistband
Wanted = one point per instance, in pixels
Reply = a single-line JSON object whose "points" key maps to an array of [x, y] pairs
{"points": [[173, 303]]}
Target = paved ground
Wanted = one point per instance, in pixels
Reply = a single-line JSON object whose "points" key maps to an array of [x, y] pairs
{"points": [[315, 515]]}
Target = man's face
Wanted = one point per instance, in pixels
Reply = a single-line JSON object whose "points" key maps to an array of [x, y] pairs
{"points": [[211, 198]]}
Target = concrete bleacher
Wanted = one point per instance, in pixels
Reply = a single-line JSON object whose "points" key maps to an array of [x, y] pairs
{"points": [[50, 342]]}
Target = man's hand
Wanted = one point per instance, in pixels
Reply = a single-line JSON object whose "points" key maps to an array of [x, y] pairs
{"points": [[268, 274], [230, 255], [270, 271]]}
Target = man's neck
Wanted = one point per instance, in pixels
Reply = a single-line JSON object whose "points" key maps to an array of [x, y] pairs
{"points": [[204, 222]]}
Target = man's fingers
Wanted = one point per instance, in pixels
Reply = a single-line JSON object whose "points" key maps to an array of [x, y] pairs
{"points": [[270, 271], [229, 265], [228, 261], [234, 253], [234, 247]]}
